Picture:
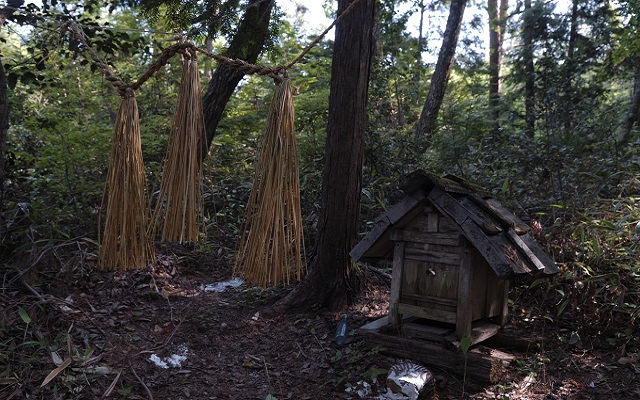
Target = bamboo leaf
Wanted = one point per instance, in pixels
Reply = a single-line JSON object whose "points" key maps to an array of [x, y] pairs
{"points": [[55, 372], [23, 314]]}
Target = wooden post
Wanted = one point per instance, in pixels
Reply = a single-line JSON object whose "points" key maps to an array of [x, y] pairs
{"points": [[396, 283], [504, 317], [463, 309]]}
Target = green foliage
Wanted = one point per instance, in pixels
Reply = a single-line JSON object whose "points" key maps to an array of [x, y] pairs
{"points": [[571, 175]]}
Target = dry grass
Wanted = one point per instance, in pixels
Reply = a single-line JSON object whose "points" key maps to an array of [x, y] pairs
{"points": [[179, 209], [272, 243], [124, 244]]}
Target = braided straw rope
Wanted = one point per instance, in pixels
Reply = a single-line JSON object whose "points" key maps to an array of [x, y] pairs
{"points": [[276, 73]]}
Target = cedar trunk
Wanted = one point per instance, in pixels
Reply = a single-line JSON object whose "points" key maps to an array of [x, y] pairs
{"points": [[633, 115], [497, 26], [12, 6], [4, 128], [327, 282], [429, 116], [247, 44], [529, 69]]}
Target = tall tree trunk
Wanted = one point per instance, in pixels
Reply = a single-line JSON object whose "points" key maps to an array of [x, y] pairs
{"points": [[494, 61], [415, 99], [247, 44], [569, 70], [327, 283], [4, 128], [633, 115], [529, 69], [429, 116], [12, 6], [497, 24]]}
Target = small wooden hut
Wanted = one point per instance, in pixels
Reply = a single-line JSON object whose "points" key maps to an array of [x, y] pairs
{"points": [[454, 248]]}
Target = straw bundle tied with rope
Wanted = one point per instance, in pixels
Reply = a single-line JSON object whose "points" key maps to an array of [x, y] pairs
{"points": [[179, 209], [124, 244], [272, 239]]}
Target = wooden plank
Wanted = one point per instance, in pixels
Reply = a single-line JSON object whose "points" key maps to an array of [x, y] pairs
{"points": [[504, 317], [375, 325], [481, 272], [447, 239], [490, 224], [396, 283], [506, 340], [495, 257], [494, 207], [448, 205], [428, 332], [483, 365], [408, 203], [428, 299], [463, 310], [433, 219], [432, 279], [550, 265], [365, 248], [429, 313], [447, 225], [520, 264], [515, 238], [482, 331], [431, 256], [495, 297]]}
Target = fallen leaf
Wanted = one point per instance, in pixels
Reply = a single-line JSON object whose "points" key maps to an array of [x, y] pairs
{"points": [[56, 371]]}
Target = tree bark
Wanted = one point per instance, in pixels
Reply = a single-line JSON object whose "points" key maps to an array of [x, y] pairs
{"points": [[327, 283], [497, 24], [12, 6], [247, 44], [429, 116], [570, 64], [633, 116], [529, 69]]}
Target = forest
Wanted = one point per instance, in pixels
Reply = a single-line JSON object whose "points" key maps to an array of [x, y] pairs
{"points": [[536, 101]]}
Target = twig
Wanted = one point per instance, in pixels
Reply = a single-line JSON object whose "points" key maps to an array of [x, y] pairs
{"points": [[379, 271], [32, 290], [320, 344], [140, 381], [165, 342], [301, 351]]}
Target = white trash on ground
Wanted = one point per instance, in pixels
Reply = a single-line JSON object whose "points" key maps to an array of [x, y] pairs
{"points": [[405, 381], [173, 361], [220, 287]]}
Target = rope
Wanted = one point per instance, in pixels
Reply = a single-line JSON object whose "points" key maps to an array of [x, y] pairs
{"points": [[125, 90], [104, 67], [322, 35]]}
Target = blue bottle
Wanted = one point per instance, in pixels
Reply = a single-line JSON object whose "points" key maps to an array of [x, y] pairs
{"points": [[341, 330]]}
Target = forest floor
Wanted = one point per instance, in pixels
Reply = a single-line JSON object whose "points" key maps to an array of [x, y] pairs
{"points": [[106, 335]]}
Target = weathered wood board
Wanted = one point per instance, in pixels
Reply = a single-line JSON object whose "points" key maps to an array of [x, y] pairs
{"points": [[484, 365]]}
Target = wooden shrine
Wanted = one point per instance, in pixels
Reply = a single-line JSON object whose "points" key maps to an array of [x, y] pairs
{"points": [[453, 249]]}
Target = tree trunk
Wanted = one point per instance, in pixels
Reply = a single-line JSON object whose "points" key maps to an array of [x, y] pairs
{"points": [[247, 44], [497, 24], [12, 6], [327, 283], [633, 116], [429, 116], [529, 69], [4, 128], [418, 70], [567, 96]]}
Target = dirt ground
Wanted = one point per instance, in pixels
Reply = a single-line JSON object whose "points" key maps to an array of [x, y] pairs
{"points": [[96, 335]]}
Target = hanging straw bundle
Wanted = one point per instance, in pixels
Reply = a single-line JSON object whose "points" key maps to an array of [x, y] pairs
{"points": [[180, 209], [124, 244], [274, 242]]}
